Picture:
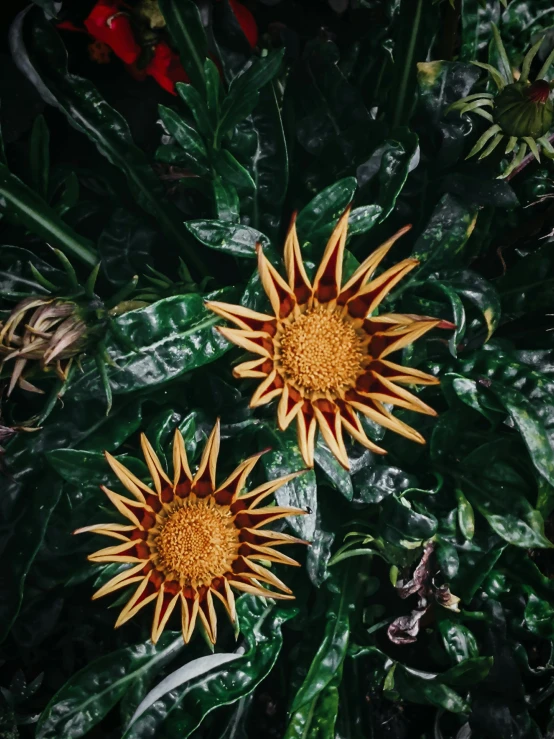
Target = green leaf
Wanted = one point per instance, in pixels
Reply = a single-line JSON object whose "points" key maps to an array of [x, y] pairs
{"points": [[448, 559], [509, 514], [527, 286], [243, 93], [321, 213], [478, 291], [445, 236], [298, 493], [458, 640], [233, 238], [259, 144], [172, 337], [316, 719], [476, 18], [24, 541], [39, 156], [231, 170], [227, 203], [24, 207], [181, 710], [126, 245], [187, 138], [539, 616], [333, 471], [87, 111], [468, 672], [17, 279], [90, 469], [395, 159], [399, 523], [362, 219], [332, 651], [466, 517], [427, 689], [530, 426], [197, 105], [185, 28], [93, 691]]}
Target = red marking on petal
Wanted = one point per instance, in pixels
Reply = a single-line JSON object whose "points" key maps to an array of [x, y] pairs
{"points": [[142, 550], [156, 579], [172, 587], [183, 489], [166, 494], [327, 285]]}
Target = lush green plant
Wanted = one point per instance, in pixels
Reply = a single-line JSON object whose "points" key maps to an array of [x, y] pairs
{"points": [[424, 605]]}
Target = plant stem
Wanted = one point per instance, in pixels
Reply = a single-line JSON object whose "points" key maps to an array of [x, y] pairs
{"points": [[397, 119]]}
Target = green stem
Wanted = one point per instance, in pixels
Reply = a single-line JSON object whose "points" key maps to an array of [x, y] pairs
{"points": [[407, 66]]}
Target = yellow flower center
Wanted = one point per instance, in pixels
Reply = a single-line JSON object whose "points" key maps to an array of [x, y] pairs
{"points": [[197, 542], [321, 352]]}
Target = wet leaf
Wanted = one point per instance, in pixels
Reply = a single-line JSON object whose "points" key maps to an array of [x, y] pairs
{"points": [[182, 709], [90, 694]]}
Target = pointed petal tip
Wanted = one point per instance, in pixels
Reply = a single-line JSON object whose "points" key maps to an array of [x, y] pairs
{"points": [[447, 325]]}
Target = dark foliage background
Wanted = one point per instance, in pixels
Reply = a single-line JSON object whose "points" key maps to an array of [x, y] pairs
{"points": [[110, 169]]}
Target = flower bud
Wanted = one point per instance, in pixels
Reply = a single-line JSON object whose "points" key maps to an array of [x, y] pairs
{"points": [[524, 110]]}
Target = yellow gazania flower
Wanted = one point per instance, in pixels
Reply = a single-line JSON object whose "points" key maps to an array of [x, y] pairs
{"points": [[190, 540], [323, 352]]}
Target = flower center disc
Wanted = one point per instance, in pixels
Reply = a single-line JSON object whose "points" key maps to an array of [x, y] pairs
{"points": [[321, 352], [197, 542]]}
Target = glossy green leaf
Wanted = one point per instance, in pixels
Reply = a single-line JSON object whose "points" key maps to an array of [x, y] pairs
{"points": [[227, 204], [427, 689], [181, 710], [476, 18], [197, 105], [467, 672], [448, 560], [527, 287], [530, 426], [445, 236], [375, 482], [233, 172], [509, 514], [93, 691], [332, 651], [228, 237], [400, 523], [362, 219], [39, 156], [321, 213], [466, 517], [243, 93], [24, 541], [301, 492], [333, 471], [185, 28], [187, 138], [539, 617], [458, 640], [316, 719], [258, 143], [125, 246], [172, 336]]}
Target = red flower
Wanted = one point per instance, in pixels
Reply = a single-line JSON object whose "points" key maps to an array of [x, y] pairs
{"points": [[246, 21], [166, 68], [109, 24]]}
